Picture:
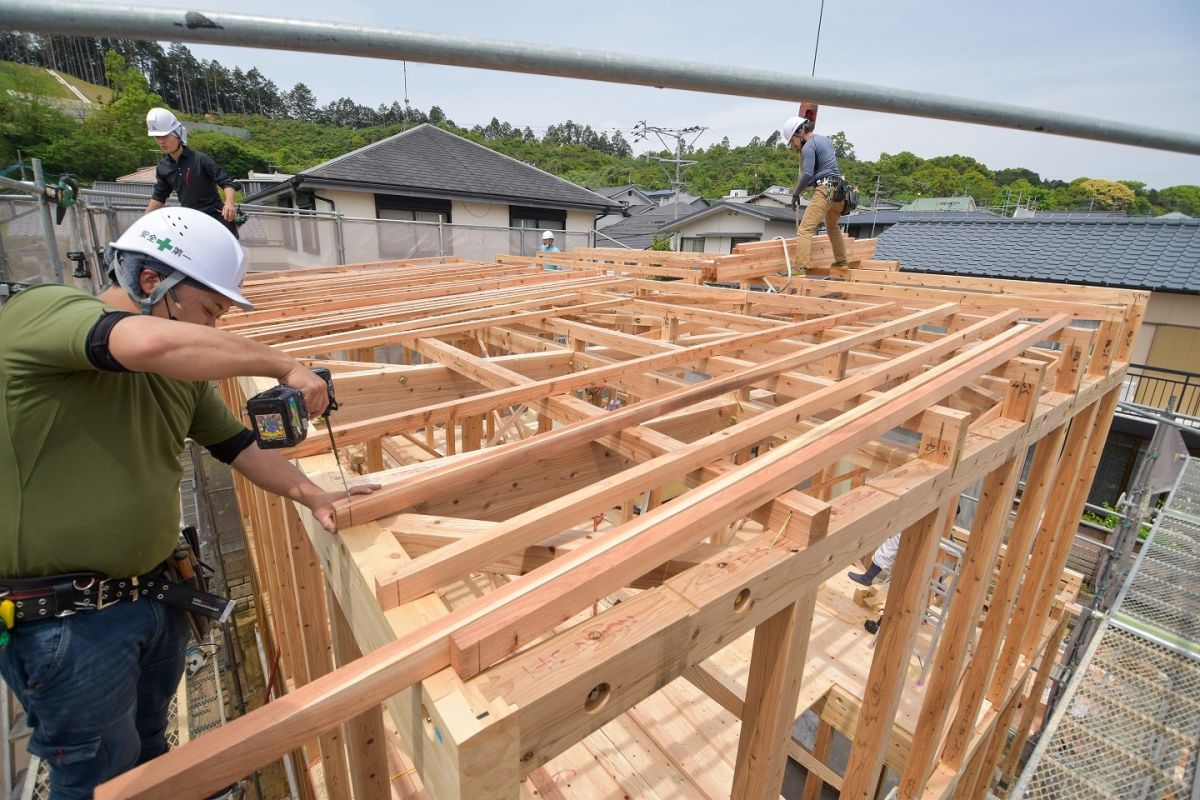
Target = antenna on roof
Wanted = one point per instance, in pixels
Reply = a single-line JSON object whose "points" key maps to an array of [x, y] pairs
{"points": [[407, 109]]}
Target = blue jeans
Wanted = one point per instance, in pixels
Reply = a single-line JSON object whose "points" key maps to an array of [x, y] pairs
{"points": [[96, 687]]}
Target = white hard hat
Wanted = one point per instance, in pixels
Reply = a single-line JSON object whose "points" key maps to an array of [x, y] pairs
{"points": [[160, 122], [547, 235], [790, 127], [194, 244]]}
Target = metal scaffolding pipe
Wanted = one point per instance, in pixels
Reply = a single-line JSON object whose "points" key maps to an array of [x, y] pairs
{"points": [[243, 30], [47, 221]]}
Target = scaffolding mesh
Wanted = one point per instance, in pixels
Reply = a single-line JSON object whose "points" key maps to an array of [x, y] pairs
{"points": [[1131, 728]]}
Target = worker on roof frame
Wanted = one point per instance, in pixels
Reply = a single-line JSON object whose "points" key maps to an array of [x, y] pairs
{"points": [[819, 169]]}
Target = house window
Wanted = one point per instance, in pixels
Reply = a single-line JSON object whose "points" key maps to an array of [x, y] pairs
{"points": [[411, 209], [734, 241], [544, 218], [310, 237], [691, 244]]}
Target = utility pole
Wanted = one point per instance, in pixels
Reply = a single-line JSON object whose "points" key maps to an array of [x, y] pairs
{"points": [[642, 131]]}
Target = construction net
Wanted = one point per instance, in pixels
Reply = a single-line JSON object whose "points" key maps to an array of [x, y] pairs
{"points": [[1131, 727]]}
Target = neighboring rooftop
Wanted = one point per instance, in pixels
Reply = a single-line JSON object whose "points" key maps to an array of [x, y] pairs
{"points": [[638, 231], [885, 216], [1134, 253], [427, 161], [764, 212], [964, 203]]}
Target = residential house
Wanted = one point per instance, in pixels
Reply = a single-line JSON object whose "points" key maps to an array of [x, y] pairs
{"points": [[452, 196], [1162, 256], [639, 230], [664, 196], [780, 196], [631, 198], [724, 225]]}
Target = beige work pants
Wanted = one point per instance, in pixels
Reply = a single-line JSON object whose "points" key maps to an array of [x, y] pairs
{"points": [[821, 208]]}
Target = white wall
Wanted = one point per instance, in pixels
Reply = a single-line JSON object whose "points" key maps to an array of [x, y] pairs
{"points": [[579, 220], [489, 215], [1165, 308], [360, 205]]}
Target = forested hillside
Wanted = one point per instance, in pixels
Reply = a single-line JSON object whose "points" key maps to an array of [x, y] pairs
{"points": [[290, 131]]}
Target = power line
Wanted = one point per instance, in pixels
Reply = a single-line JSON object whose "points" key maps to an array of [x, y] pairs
{"points": [[642, 131]]}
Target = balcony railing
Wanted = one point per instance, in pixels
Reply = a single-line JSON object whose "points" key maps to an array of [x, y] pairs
{"points": [[1156, 386]]}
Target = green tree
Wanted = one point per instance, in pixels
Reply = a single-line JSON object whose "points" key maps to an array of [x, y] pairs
{"points": [[661, 242], [1108, 195], [842, 148], [112, 140], [1184, 199]]}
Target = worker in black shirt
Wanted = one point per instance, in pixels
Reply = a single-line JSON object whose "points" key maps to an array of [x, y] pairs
{"points": [[192, 175]]}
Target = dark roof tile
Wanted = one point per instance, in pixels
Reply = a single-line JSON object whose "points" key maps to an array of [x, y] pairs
{"points": [[1136, 253], [429, 160]]}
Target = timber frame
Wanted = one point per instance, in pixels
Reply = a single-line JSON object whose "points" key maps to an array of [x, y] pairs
{"points": [[605, 477]]}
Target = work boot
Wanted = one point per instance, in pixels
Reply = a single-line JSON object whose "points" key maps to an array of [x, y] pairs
{"points": [[797, 272], [841, 264], [865, 578]]}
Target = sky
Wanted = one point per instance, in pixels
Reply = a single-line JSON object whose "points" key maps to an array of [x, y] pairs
{"points": [[1138, 62]]}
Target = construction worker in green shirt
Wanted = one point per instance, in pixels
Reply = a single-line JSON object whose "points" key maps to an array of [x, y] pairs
{"points": [[97, 396]]}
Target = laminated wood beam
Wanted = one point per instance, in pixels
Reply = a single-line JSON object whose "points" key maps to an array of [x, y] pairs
{"points": [[404, 332], [456, 308], [419, 534], [410, 420], [394, 499], [670, 529], [528, 529]]}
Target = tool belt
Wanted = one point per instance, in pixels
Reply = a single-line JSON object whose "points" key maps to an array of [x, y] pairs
{"points": [[63, 595], [840, 191]]}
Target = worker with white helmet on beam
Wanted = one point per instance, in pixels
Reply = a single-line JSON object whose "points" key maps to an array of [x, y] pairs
{"points": [[819, 169], [97, 396], [192, 175]]}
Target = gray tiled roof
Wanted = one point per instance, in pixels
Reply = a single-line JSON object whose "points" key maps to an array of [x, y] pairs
{"points": [[638, 231], [1135, 253], [891, 216], [427, 160]]}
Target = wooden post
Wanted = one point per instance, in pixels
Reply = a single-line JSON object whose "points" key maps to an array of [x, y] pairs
{"points": [[812, 781], [1012, 572], [365, 743], [893, 650], [974, 578], [776, 669], [316, 640]]}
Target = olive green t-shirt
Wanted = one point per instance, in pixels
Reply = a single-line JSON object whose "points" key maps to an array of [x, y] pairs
{"points": [[89, 469]]}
